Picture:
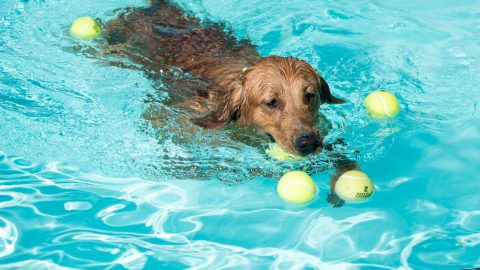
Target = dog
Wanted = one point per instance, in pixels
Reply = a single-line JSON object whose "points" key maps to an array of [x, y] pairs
{"points": [[228, 80]]}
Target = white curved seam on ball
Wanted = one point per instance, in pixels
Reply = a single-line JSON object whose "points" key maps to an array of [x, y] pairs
{"points": [[284, 189], [351, 177], [85, 27], [383, 103]]}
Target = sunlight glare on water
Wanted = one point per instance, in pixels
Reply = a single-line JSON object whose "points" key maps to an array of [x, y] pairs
{"points": [[86, 182]]}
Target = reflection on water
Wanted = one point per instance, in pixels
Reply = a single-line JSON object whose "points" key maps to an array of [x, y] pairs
{"points": [[97, 186]]}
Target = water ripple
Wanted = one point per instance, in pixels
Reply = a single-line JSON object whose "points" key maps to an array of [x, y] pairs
{"points": [[8, 237], [87, 182]]}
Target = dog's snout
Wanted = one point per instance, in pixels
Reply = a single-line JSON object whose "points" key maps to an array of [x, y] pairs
{"points": [[307, 143]]}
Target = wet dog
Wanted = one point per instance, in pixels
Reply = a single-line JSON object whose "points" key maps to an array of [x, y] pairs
{"points": [[228, 80]]}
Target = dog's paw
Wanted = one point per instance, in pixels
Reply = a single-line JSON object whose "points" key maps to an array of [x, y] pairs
{"points": [[334, 200]]}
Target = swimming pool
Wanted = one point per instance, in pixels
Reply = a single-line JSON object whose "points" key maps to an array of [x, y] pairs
{"points": [[85, 182]]}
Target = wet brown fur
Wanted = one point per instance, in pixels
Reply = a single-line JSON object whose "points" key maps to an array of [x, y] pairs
{"points": [[229, 78]]}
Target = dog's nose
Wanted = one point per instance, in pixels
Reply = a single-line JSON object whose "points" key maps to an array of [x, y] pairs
{"points": [[307, 143]]}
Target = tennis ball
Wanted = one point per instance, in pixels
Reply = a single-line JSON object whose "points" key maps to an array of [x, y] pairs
{"points": [[296, 187], [276, 152], [354, 186], [382, 104], [85, 28]]}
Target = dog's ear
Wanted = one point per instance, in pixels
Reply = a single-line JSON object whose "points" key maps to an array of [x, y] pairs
{"points": [[228, 109], [324, 90], [325, 94]]}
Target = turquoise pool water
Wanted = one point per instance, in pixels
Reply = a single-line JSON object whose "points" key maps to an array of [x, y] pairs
{"points": [[85, 182]]}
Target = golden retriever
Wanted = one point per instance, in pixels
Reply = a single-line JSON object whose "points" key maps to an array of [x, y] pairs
{"points": [[277, 96]]}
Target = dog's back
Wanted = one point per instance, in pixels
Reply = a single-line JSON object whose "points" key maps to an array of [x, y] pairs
{"points": [[164, 34]]}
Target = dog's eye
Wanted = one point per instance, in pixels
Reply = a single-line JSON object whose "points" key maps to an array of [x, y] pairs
{"points": [[272, 104], [309, 97]]}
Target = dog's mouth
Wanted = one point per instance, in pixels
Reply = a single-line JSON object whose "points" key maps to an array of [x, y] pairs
{"points": [[271, 137], [315, 147]]}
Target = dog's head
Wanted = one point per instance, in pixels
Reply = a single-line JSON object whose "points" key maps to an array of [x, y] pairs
{"points": [[280, 97]]}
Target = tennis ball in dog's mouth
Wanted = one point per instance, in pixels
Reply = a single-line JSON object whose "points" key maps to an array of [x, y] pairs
{"points": [[85, 28], [296, 187], [277, 152], [382, 104], [354, 186]]}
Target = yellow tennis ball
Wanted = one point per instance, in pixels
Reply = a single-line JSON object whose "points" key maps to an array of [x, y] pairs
{"points": [[85, 28], [296, 187], [276, 152], [354, 186], [382, 104]]}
